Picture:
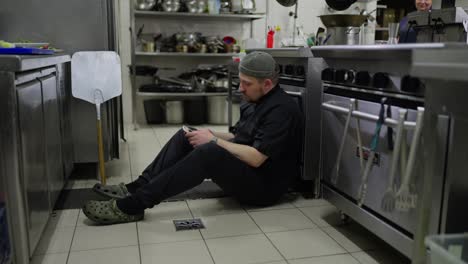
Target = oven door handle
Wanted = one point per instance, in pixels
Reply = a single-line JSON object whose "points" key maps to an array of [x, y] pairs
{"points": [[409, 125], [294, 93]]}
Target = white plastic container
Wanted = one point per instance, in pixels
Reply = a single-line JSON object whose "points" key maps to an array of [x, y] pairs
{"points": [[448, 249], [174, 112]]}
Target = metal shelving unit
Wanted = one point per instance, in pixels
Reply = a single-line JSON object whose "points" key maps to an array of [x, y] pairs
{"points": [[183, 54], [182, 18], [204, 16]]}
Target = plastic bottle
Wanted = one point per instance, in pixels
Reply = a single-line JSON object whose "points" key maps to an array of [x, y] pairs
{"points": [[270, 39], [277, 39], [213, 6]]}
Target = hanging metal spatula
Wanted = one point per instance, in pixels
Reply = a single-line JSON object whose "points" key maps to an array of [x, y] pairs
{"points": [[406, 200], [336, 174], [388, 201], [96, 78]]}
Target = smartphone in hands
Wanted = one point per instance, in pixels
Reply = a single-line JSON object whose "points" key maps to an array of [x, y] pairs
{"points": [[188, 129]]}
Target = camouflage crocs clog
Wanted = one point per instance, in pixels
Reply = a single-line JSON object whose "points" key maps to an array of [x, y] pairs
{"points": [[112, 191], [107, 213]]}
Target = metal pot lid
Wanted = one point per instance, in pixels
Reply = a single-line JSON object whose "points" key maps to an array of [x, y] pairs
{"points": [[343, 20]]}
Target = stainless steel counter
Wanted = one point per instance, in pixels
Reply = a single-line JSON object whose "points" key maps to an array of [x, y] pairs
{"points": [[447, 64], [19, 63], [31, 139], [446, 74]]}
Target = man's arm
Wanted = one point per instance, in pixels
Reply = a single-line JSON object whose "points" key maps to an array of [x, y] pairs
{"points": [[223, 135], [247, 154]]}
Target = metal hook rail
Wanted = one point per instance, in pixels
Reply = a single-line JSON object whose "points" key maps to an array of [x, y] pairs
{"points": [[408, 125]]}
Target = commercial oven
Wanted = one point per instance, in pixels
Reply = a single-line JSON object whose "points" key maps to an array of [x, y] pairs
{"points": [[372, 165]]}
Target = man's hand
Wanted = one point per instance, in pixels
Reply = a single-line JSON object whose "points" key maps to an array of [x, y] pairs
{"points": [[199, 137]]}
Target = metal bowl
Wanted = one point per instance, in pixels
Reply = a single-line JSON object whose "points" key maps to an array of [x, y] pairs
{"points": [[343, 20], [144, 4], [171, 5]]}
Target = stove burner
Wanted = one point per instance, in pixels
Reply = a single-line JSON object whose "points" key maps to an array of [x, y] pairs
{"points": [[363, 78], [381, 80]]}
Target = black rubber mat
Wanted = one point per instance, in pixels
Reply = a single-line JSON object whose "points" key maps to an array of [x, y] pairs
{"points": [[75, 198]]}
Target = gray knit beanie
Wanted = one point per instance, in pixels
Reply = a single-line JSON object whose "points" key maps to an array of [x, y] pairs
{"points": [[258, 64]]}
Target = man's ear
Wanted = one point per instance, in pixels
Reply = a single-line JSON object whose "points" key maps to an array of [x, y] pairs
{"points": [[268, 83]]}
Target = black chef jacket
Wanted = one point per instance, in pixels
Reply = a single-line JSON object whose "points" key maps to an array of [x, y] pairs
{"points": [[274, 126]]}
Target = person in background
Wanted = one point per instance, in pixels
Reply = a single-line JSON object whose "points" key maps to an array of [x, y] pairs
{"points": [[407, 33], [256, 164]]}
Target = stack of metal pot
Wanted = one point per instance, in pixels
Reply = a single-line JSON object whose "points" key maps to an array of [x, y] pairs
{"points": [[342, 29]]}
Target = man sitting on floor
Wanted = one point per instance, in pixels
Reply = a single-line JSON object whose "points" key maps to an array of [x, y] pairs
{"points": [[256, 164]]}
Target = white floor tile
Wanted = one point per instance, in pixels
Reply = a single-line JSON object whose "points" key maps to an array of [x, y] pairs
{"points": [[323, 216], [50, 259], [163, 230], [302, 202], [380, 257], [242, 249], [305, 243], [55, 240], [80, 184], [143, 156], [118, 179], [84, 221], [63, 218], [210, 207], [118, 168], [228, 225], [168, 210], [335, 259], [97, 237], [274, 262], [193, 252], [121, 255], [281, 205], [281, 220], [137, 168], [354, 237]]}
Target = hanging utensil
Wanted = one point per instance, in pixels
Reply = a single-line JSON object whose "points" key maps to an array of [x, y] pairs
{"points": [[388, 200], [334, 178], [406, 200], [96, 78], [359, 141], [370, 159]]}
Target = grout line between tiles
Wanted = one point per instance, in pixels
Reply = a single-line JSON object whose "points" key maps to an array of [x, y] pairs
{"points": [[73, 236], [138, 242], [321, 256], [322, 229], [204, 241], [271, 242]]}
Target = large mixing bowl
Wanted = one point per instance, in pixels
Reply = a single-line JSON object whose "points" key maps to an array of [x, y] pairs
{"points": [[343, 20], [144, 4]]}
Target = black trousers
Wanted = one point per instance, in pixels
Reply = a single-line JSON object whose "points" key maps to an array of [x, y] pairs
{"points": [[179, 167]]}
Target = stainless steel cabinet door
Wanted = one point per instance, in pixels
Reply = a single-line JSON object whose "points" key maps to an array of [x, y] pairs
{"points": [[52, 137], [349, 179], [33, 162]]}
